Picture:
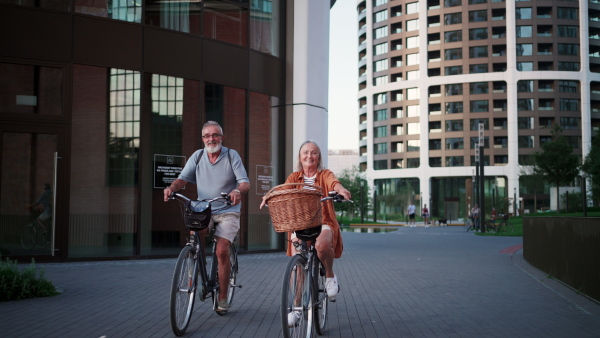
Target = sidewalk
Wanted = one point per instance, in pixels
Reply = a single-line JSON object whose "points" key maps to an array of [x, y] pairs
{"points": [[411, 282]]}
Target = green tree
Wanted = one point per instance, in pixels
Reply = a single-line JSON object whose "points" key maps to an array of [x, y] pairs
{"points": [[591, 166], [556, 161], [353, 179], [532, 179]]}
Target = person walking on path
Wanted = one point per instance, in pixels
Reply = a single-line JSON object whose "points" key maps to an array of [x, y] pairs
{"points": [[217, 169], [475, 215], [411, 215], [425, 215]]}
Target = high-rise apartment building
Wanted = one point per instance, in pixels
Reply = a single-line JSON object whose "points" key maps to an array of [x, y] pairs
{"points": [[432, 71]]}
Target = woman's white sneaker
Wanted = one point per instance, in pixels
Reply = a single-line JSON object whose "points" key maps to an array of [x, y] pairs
{"points": [[294, 317], [332, 288]]}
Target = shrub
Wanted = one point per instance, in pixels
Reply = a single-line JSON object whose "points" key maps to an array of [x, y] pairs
{"points": [[27, 283]]}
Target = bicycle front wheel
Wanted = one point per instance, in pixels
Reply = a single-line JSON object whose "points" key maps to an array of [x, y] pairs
{"points": [[183, 290], [28, 236], [295, 299], [319, 297]]}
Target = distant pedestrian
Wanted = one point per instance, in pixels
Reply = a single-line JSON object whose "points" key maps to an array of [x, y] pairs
{"points": [[425, 215], [475, 215], [411, 215]]}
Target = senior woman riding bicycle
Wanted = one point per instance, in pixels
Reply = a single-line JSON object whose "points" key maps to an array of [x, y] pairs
{"points": [[329, 243]]}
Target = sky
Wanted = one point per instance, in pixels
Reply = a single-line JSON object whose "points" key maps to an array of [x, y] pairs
{"points": [[343, 76]]}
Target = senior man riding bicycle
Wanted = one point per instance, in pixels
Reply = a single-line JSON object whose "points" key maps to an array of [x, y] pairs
{"points": [[217, 169]]}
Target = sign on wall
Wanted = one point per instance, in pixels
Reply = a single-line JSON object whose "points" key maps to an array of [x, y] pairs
{"points": [[264, 179], [167, 169]]}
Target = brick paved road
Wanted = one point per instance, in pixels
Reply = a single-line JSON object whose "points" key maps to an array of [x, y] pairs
{"points": [[413, 282]]}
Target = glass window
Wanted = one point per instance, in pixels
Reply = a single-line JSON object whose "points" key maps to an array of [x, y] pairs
{"points": [[412, 59], [452, 3], [379, 2], [453, 54], [526, 141], [380, 165], [454, 107], [567, 13], [455, 143], [454, 89], [380, 80], [568, 31], [523, 13], [413, 111], [565, 86], [435, 144], [380, 131], [453, 36], [413, 145], [397, 163], [225, 22], [413, 162], [525, 66], [568, 66], [478, 34], [474, 125], [413, 74], [380, 16], [412, 8], [380, 148], [479, 106], [265, 26], [454, 70], [474, 142], [524, 31], [454, 125], [380, 98], [413, 128], [380, 65], [452, 18], [525, 122], [380, 32], [412, 42], [380, 115], [124, 127], [412, 93], [28, 89], [524, 49], [569, 104], [478, 16], [569, 122], [478, 52], [435, 162], [126, 10], [479, 68], [568, 49], [180, 16], [455, 161], [478, 88], [381, 48], [412, 25], [524, 104]]}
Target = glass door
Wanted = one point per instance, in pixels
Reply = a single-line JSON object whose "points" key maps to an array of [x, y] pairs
{"points": [[29, 186]]}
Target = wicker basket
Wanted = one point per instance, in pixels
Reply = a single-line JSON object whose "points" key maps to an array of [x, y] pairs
{"points": [[294, 209]]}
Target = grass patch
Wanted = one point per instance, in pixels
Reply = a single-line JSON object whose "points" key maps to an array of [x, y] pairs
{"points": [[22, 284]]}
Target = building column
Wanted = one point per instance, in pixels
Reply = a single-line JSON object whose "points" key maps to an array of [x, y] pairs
{"points": [[310, 75]]}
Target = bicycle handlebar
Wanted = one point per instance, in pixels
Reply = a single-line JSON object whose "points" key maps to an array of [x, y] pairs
{"points": [[224, 196], [336, 197]]}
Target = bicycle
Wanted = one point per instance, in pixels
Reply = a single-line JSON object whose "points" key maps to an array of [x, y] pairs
{"points": [[469, 224], [33, 234], [303, 289], [505, 225], [192, 262]]}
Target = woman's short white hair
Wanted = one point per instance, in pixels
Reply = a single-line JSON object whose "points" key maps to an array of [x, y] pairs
{"points": [[299, 164]]}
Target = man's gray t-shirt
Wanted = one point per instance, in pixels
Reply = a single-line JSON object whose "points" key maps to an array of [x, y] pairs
{"points": [[212, 179]]}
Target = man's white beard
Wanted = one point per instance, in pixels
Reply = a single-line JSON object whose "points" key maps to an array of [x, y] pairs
{"points": [[213, 149]]}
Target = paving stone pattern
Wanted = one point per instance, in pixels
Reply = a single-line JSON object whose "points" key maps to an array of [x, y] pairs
{"points": [[412, 282]]}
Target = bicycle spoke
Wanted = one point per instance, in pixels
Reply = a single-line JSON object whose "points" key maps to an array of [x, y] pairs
{"points": [[183, 290]]}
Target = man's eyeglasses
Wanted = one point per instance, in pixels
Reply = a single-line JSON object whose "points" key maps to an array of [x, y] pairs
{"points": [[215, 135]]}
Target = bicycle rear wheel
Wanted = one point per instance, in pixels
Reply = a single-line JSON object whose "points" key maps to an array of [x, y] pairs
{"points": [[183, 290], [28, 236], [319, 297], [295, 299]]}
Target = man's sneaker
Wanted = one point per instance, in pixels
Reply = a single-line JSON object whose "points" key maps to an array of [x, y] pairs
{"points": [[332, 288], [294, 317], [223, 305]]}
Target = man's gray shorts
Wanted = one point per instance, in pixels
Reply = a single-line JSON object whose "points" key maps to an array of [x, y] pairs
{"points": [[228, 225]]}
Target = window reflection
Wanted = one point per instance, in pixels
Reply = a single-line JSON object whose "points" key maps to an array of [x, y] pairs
{"points": [[126, 10], [182, 16], [225, 22], [167, 114], [264, 26], [124, 127], [31, 89]]}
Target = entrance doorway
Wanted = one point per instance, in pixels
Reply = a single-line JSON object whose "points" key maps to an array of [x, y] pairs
{"points": [[29, 186]]}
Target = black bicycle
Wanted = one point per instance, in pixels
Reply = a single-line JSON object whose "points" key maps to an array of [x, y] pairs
{"points": [[192, 262], [35, 235], [303, 293]]}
